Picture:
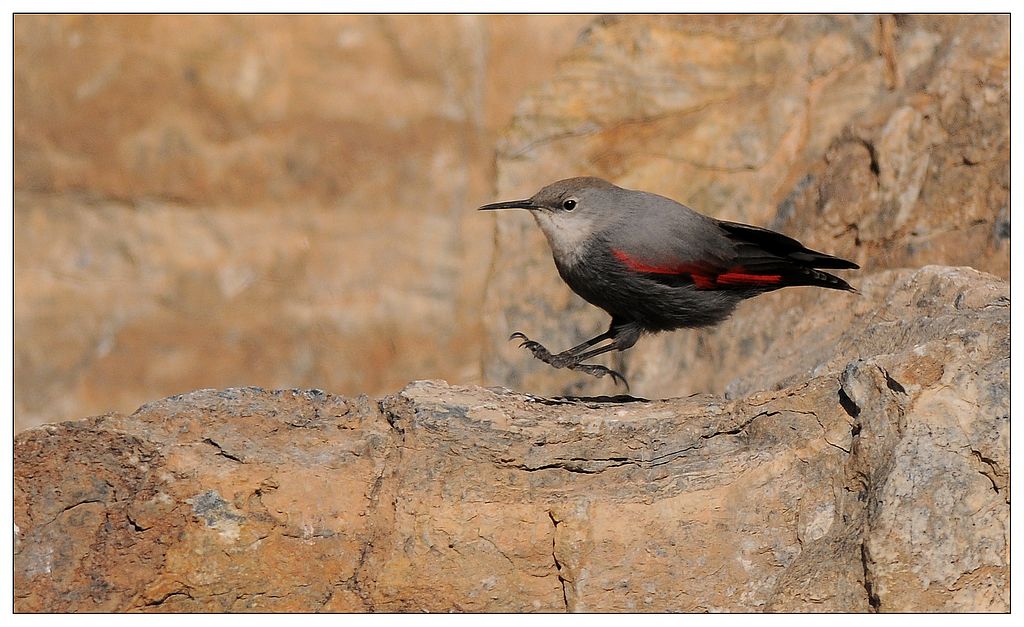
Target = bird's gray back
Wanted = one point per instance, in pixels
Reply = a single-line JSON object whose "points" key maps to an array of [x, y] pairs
{"points": [[657, 229]]}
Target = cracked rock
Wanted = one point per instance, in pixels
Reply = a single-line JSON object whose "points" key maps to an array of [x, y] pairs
{"points": [[879, 482]]}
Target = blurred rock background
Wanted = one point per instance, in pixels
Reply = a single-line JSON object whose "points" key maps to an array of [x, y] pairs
{"points": [[285, 201]]}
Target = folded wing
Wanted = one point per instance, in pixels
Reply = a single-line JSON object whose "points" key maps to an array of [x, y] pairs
{"points": [[748, 258]]}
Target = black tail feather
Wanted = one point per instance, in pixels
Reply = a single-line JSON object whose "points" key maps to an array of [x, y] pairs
{"points": [[779, 245], [767, 252], [818, 278], [815, 259]]}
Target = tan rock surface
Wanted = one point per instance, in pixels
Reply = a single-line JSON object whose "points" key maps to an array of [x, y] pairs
{"points": [[211, 201], [879, 482], [882, 139]]}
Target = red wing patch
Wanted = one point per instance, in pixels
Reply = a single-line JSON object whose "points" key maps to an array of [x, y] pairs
{"points": [[704, 278], [701, 276], [703, 281]]}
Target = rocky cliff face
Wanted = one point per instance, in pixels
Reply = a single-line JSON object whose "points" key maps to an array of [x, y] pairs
{"points": [[817, 452], [879, 483]]}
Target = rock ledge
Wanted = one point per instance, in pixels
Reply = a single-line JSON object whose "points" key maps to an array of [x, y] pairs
{"points": [[877, 482]]}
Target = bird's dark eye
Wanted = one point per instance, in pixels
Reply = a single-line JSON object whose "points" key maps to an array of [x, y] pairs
{"points": [[569, 204]]}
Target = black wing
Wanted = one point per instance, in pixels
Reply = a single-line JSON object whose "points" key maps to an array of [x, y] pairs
{"points": [[762, 251], [783, 246]]}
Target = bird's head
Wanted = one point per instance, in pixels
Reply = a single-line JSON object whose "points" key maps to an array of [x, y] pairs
{"points": [[569, 212]]}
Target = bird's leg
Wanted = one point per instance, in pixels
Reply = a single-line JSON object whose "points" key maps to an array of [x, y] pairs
{"points": [[597, 370], [566, 358], [622, 335]]}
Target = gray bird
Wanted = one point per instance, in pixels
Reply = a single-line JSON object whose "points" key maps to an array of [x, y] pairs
{"points": [[656, 265]]}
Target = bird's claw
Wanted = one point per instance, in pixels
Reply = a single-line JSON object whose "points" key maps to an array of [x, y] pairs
{"points": [[536, 348], [599, 371], [561, 361]]}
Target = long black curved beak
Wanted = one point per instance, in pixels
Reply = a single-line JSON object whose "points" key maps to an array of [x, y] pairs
{"points": [[510, 204]]}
